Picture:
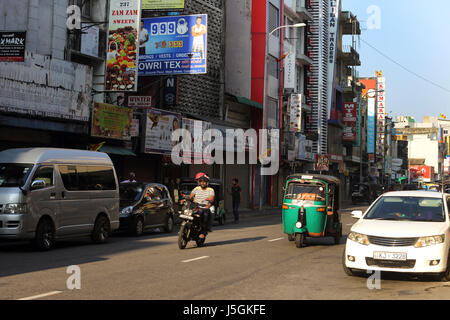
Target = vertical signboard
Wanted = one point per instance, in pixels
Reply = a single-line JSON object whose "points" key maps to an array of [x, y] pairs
{"points": [[381, 115], [173, 45], [289, 70], [350, 121], [89, 40], [295, 113], [122, 57], [333, 23], [371, 125]]}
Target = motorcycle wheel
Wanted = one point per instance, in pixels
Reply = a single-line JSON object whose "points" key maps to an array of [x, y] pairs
{"points": [[182, 241]]}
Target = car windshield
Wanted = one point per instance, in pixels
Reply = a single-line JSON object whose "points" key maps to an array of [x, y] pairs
{"points": [[13, 174], [130, 192], [407, 208], [297, 191]]}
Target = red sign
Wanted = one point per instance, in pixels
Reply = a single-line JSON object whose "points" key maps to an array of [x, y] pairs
{"points": [[350, 118], [426, 172]]}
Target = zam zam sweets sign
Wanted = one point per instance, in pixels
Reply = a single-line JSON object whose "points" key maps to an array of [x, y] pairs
{"points": [[121, 60]]}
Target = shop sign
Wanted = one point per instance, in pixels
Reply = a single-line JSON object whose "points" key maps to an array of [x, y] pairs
{"points": [[12, 46], [110, 121], [159, 125], [123, 41]]}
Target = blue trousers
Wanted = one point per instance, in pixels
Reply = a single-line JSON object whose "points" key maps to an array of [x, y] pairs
{"points": [[235, 211]]}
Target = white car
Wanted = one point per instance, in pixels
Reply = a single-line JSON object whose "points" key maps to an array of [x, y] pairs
{"points": [[406, 231]]}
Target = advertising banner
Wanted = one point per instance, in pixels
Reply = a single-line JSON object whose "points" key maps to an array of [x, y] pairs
{"points": [[12, 46], [162, 4], [371, 125], [289, 69], [122, 57], [159, 125], [422, 173], [173, 45], [333, 23], [350, 118], [295, 113], [110, 121], [89, 40], [322, 162]]}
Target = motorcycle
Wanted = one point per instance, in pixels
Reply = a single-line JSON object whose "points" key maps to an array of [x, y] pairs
{"points": [[192, 225]]}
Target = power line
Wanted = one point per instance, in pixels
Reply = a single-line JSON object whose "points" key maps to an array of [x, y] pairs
{"points": [[405, 68]]}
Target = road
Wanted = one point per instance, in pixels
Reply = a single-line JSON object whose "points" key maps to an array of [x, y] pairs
{"points": [[252, 260]]}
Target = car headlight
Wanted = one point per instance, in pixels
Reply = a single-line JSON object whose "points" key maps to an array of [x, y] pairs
{"points": [[360, 238], [15, 208], [126, 211], [429, 241]]}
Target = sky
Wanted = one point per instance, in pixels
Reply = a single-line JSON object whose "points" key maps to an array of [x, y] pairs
{"points": [[416, 34]]}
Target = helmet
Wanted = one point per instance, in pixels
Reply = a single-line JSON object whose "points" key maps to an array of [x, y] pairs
{"points": [[202, 176]]}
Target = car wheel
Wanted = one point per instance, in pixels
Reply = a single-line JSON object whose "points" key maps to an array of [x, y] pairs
{"points": [[347, 271], [45, 236], [300, 240], [102, 230], [446, 275], [137, 227], [182, 239], [168, 228], [291, 237]]}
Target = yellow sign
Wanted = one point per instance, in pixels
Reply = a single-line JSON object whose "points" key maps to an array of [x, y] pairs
{"points": [[162, 4]]}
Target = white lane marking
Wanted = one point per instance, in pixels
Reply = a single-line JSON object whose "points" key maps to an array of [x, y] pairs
{"points": [[195, 259], [42, 295], [350, 224], [275, 239]]}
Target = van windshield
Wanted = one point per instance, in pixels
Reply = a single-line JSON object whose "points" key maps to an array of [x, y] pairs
{"points": [[13, 174]]}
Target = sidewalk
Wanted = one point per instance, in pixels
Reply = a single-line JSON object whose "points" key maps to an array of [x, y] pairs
{"points": [[248, 213]]}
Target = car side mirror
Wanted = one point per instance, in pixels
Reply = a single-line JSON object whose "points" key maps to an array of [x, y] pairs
{"points": [[37, 184], [357, 214]]}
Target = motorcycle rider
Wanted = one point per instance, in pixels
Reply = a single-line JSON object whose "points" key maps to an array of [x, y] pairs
{"points": [[204, 196]]}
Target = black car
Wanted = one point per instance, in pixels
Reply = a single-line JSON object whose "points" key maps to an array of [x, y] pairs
{"points": [[144, 206]]}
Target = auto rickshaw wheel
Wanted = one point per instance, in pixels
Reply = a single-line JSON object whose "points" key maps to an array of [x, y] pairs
{"points": [[300, 240], [291, 237]]}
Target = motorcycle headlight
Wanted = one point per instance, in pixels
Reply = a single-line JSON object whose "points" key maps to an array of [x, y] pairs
{"points": [[359, 238], [15, 208], [429, 241], [126, 211]]}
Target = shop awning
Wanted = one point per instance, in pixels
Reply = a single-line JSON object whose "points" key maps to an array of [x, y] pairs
{"points": [[246, 101], [117, 150]]}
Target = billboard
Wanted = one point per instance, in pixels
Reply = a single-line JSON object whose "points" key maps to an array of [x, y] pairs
{"points": [[381, 115], [162, 4], [174, 45], [423, 173], [121, 60], [158, 128], [333, 23], [12, 46], [370, 93], [350, 118], [110, 121]]}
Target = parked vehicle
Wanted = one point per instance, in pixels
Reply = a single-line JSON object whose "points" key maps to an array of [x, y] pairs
{"points": [[405, 231], [192, 225], [218, 208], [49, 194], [144, 206], [363, 192], [311, 208]]}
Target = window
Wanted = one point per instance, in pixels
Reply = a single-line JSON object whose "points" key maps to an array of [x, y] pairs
{"points": [[274, 19], [289, 32], [14, 175], [273, 67], [88, 178], [45, 174]]}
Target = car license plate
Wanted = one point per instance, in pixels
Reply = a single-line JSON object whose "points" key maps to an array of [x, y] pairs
{"points": [[399, 256]]}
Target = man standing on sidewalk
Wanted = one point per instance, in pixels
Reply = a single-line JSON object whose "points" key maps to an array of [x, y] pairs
{"points": [[236, 192]]}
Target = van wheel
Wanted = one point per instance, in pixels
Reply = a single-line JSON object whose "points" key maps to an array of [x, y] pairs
{"points": [[168, 228], [137, 227], [102, 230], [45, 236]]}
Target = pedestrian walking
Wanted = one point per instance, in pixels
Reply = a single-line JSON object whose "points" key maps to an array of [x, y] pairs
{"points": [[236, 193]]}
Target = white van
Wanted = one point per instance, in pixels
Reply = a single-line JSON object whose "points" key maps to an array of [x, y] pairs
{"points": [[48, 194]]}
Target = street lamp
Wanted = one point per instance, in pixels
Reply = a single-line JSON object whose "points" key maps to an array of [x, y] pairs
{"points": [[264, 120]]}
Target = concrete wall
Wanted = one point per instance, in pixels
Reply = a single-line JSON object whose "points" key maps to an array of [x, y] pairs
{"points": [[238, 49], [44, 21]]}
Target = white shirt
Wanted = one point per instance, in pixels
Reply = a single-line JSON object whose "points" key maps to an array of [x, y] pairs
{"points": [[143, 34]]}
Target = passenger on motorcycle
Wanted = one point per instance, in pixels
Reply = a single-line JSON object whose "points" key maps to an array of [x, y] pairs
{"points": [[204, 196]]}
